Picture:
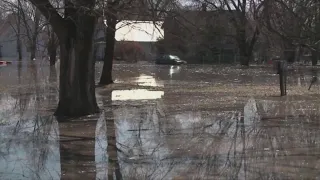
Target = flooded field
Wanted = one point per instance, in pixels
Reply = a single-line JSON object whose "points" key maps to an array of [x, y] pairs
{"points": [[162, 122]]}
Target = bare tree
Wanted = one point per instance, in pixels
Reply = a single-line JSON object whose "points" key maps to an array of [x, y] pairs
{"points": [[245, 17], [52, 45], [118, 10], [110, 32], [296, 22], [19, 31], [32, 21], [74, 29], [28, 26]]}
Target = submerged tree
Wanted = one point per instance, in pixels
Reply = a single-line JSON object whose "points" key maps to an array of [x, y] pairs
{"points": [[110, 32], [74, 29]]}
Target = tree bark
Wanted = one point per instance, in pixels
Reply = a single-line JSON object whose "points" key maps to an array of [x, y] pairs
{"points": [[77, 85], [106, 75], [75, 33]]}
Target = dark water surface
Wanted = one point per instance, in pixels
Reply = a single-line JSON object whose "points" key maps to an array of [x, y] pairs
{"points": [[162, 122]]}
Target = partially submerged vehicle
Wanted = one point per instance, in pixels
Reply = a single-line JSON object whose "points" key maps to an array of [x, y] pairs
{"points": [[169, 59]]}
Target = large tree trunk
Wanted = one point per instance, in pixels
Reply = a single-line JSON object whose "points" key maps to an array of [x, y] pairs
{"points": [[106, 75], [75, 33], [77, 85]]}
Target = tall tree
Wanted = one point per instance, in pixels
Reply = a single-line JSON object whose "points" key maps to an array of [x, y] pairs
{"points": [[19, 45], [52, 45], [110, 32], [245, 20], [241, 19], [74, 29], [27, 27], [33, 25], [118, 10]]}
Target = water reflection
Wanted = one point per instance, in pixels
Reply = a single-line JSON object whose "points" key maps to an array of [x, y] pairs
{"points": [[127, 142], [250, 112], [114, 169], [30, 149], [146, 80], [265, 139], [174, 70], [101, 148], [77, 149], [220, 146], [136, 94]]}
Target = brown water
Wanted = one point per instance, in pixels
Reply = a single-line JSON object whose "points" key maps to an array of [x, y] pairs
{"points": [[162, 122]]}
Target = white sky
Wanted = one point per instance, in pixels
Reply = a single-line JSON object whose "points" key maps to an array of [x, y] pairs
{"points": [[139, 31]]}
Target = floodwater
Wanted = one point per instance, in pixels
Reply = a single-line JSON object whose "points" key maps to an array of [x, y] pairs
{"points": [[162, 122]]}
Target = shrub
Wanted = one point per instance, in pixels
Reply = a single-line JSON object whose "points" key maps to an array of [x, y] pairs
{"points": [[129, 51]]}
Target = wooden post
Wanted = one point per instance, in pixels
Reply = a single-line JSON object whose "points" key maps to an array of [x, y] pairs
{"points": [[282, 71]]}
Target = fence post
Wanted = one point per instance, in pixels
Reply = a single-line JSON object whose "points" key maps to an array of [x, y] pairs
{"points": [[282, 69]]}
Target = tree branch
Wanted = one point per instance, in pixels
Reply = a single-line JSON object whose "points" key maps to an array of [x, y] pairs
{"points": [[50, 13]]}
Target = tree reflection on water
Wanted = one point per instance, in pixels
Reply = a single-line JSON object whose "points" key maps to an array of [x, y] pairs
{"points": [[268, 139]]}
